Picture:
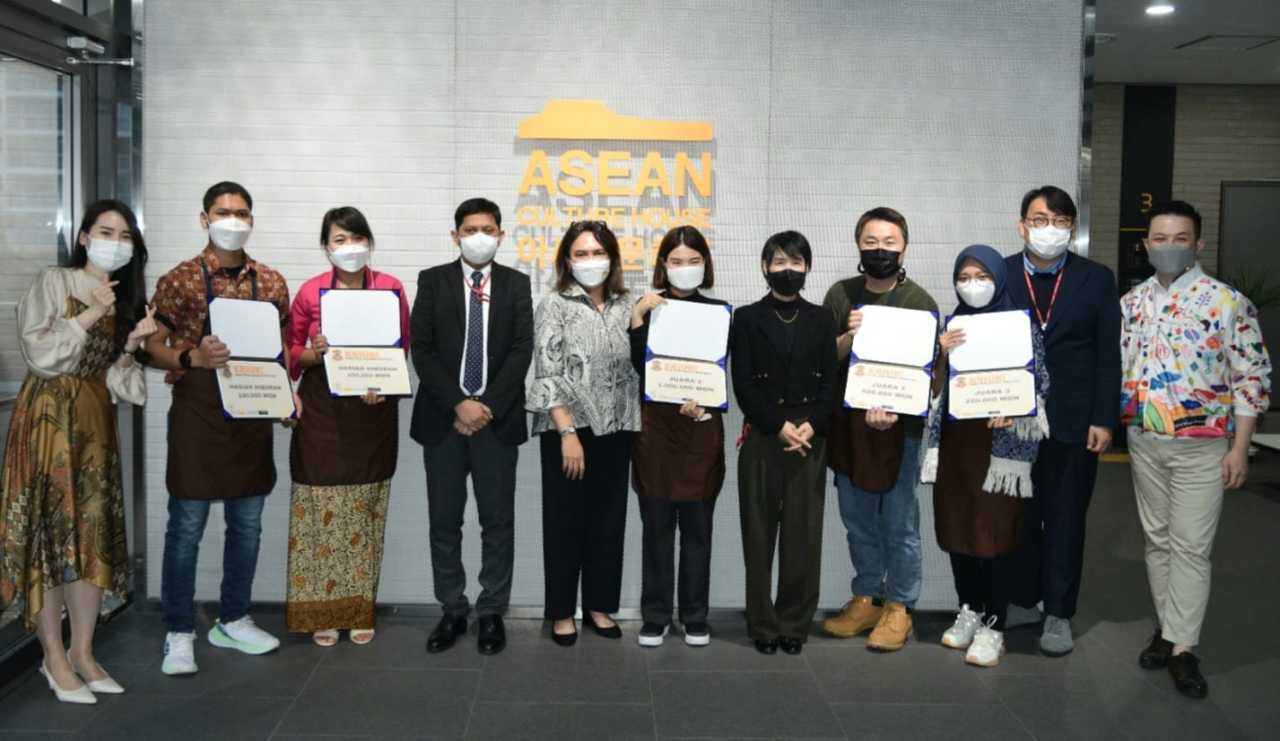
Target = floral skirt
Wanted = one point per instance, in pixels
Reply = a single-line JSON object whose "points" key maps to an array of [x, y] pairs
{"points": [[61, 499], [335, 555]]}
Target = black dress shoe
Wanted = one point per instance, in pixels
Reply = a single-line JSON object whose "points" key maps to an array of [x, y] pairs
{"points": [[446, 634], [767, 646], [791, 646], [493, 637], [1156, 655], [613, 631], [564, 639], [1185, 670]]}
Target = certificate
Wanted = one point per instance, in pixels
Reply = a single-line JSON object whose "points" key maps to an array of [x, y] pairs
{"points": [[687, 354], [355, 371], [1001, 339], [900, 389], [255, 389], [676, 381], [997, 393], [891, 362], [360, 318], [993, 373], [249, 329]]}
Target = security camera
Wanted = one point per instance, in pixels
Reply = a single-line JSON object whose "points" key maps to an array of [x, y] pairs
{"points": [[85, 44]]}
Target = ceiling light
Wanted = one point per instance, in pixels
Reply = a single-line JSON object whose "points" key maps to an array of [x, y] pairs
{"points": [[1159, 9]]}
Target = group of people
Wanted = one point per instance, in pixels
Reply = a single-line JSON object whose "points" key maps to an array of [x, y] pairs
{"points": [[1179, 359]]}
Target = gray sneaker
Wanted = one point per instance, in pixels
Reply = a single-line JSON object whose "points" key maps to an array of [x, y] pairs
{"points": [[1056, 638]]}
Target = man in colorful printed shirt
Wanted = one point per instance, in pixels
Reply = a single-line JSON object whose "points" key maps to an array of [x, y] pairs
{"points": [[1196, 375]]}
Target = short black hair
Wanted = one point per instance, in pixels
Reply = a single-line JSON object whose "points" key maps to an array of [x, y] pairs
{"points": [[1175, 208], [473, 206], [224, 188], [789, 243], [1058, 200], [349, 218], [885, 214]]}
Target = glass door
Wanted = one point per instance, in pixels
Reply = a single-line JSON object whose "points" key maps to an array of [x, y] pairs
{"points": [[39, 186]]}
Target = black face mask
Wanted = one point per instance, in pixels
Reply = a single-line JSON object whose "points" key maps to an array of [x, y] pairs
{"points": [[880, 264], [786, 282]]}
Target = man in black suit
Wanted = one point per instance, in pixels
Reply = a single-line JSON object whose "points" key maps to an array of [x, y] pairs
{"points": [[1076, 302], [472, 342]]}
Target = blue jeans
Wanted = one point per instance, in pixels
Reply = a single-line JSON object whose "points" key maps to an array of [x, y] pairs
{"points": [[182, 536], [884, 533]]}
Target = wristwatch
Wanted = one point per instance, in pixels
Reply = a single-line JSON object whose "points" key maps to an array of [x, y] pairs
{"points": [[567, 431], [184, 359], [142, 356]]}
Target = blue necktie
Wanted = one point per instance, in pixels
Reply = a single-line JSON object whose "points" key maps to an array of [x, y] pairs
{"points": [[474, 373]]}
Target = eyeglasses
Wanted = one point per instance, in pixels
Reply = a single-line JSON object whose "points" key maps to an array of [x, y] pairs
{"points": [[1040, 222]]}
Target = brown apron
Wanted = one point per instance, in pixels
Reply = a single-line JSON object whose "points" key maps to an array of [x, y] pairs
{"points": [[676, 457], [340, 440], [210, 455], [966, 519], [870, 457]]}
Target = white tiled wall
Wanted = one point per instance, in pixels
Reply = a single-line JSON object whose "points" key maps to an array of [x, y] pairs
{"points": [[948, 111]]}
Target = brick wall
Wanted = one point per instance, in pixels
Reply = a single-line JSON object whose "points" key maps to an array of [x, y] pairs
{"points": [[1222, 132]]}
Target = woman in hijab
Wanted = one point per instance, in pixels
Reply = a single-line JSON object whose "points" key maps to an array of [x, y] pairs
{"points": [[982, 470]]}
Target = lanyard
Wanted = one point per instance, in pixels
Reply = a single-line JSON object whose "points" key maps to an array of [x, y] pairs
{"points": [[1053, 297], [208, 293]]}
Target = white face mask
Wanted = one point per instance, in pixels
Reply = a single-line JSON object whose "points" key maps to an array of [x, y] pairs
{"points": [[229, 234], [108, 254], [976, 293], [350, 257], [479, 248], [591, 273], [1049, 241], [686, 277]]}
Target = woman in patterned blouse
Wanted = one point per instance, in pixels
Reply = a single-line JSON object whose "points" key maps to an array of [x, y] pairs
{"points": [[586, 403]]}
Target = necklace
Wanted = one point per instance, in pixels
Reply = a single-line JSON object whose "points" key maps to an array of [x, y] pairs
{"points": [[794, 316]]}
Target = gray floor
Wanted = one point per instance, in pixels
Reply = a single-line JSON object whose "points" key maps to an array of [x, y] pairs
{"points": [[615, 690]]}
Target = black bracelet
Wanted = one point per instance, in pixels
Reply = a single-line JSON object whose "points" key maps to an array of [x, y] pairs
{"points": [[142, 356]]}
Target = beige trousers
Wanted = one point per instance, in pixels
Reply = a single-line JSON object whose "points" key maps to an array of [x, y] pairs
{"points": [[1178, 484]]}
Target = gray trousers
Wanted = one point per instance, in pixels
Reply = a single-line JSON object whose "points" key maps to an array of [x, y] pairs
{"points": [[491, 464]]}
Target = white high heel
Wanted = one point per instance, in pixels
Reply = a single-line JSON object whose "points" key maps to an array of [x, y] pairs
{"points": [[104, 686], [82, 695]]}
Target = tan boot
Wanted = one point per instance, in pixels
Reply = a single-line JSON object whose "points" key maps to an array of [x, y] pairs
{"points": [[859, 615], [893, 630]]}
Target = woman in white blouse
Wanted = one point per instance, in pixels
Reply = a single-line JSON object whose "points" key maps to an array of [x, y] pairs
{"points": [[62, 533], [585, 396]]}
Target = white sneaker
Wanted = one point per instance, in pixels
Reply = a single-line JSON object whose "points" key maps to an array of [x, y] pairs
{"points": [[179, 654], [243, 635], [987, 646], [960, 634]]}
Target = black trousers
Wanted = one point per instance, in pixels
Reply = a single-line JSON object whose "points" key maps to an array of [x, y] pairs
{"points": [[983, 585], [491, 464], [658, 581], [781, 497], [1052, 556], [583, 523]]}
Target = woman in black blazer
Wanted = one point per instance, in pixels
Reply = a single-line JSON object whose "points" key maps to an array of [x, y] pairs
{"points": [[784, 366]]}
